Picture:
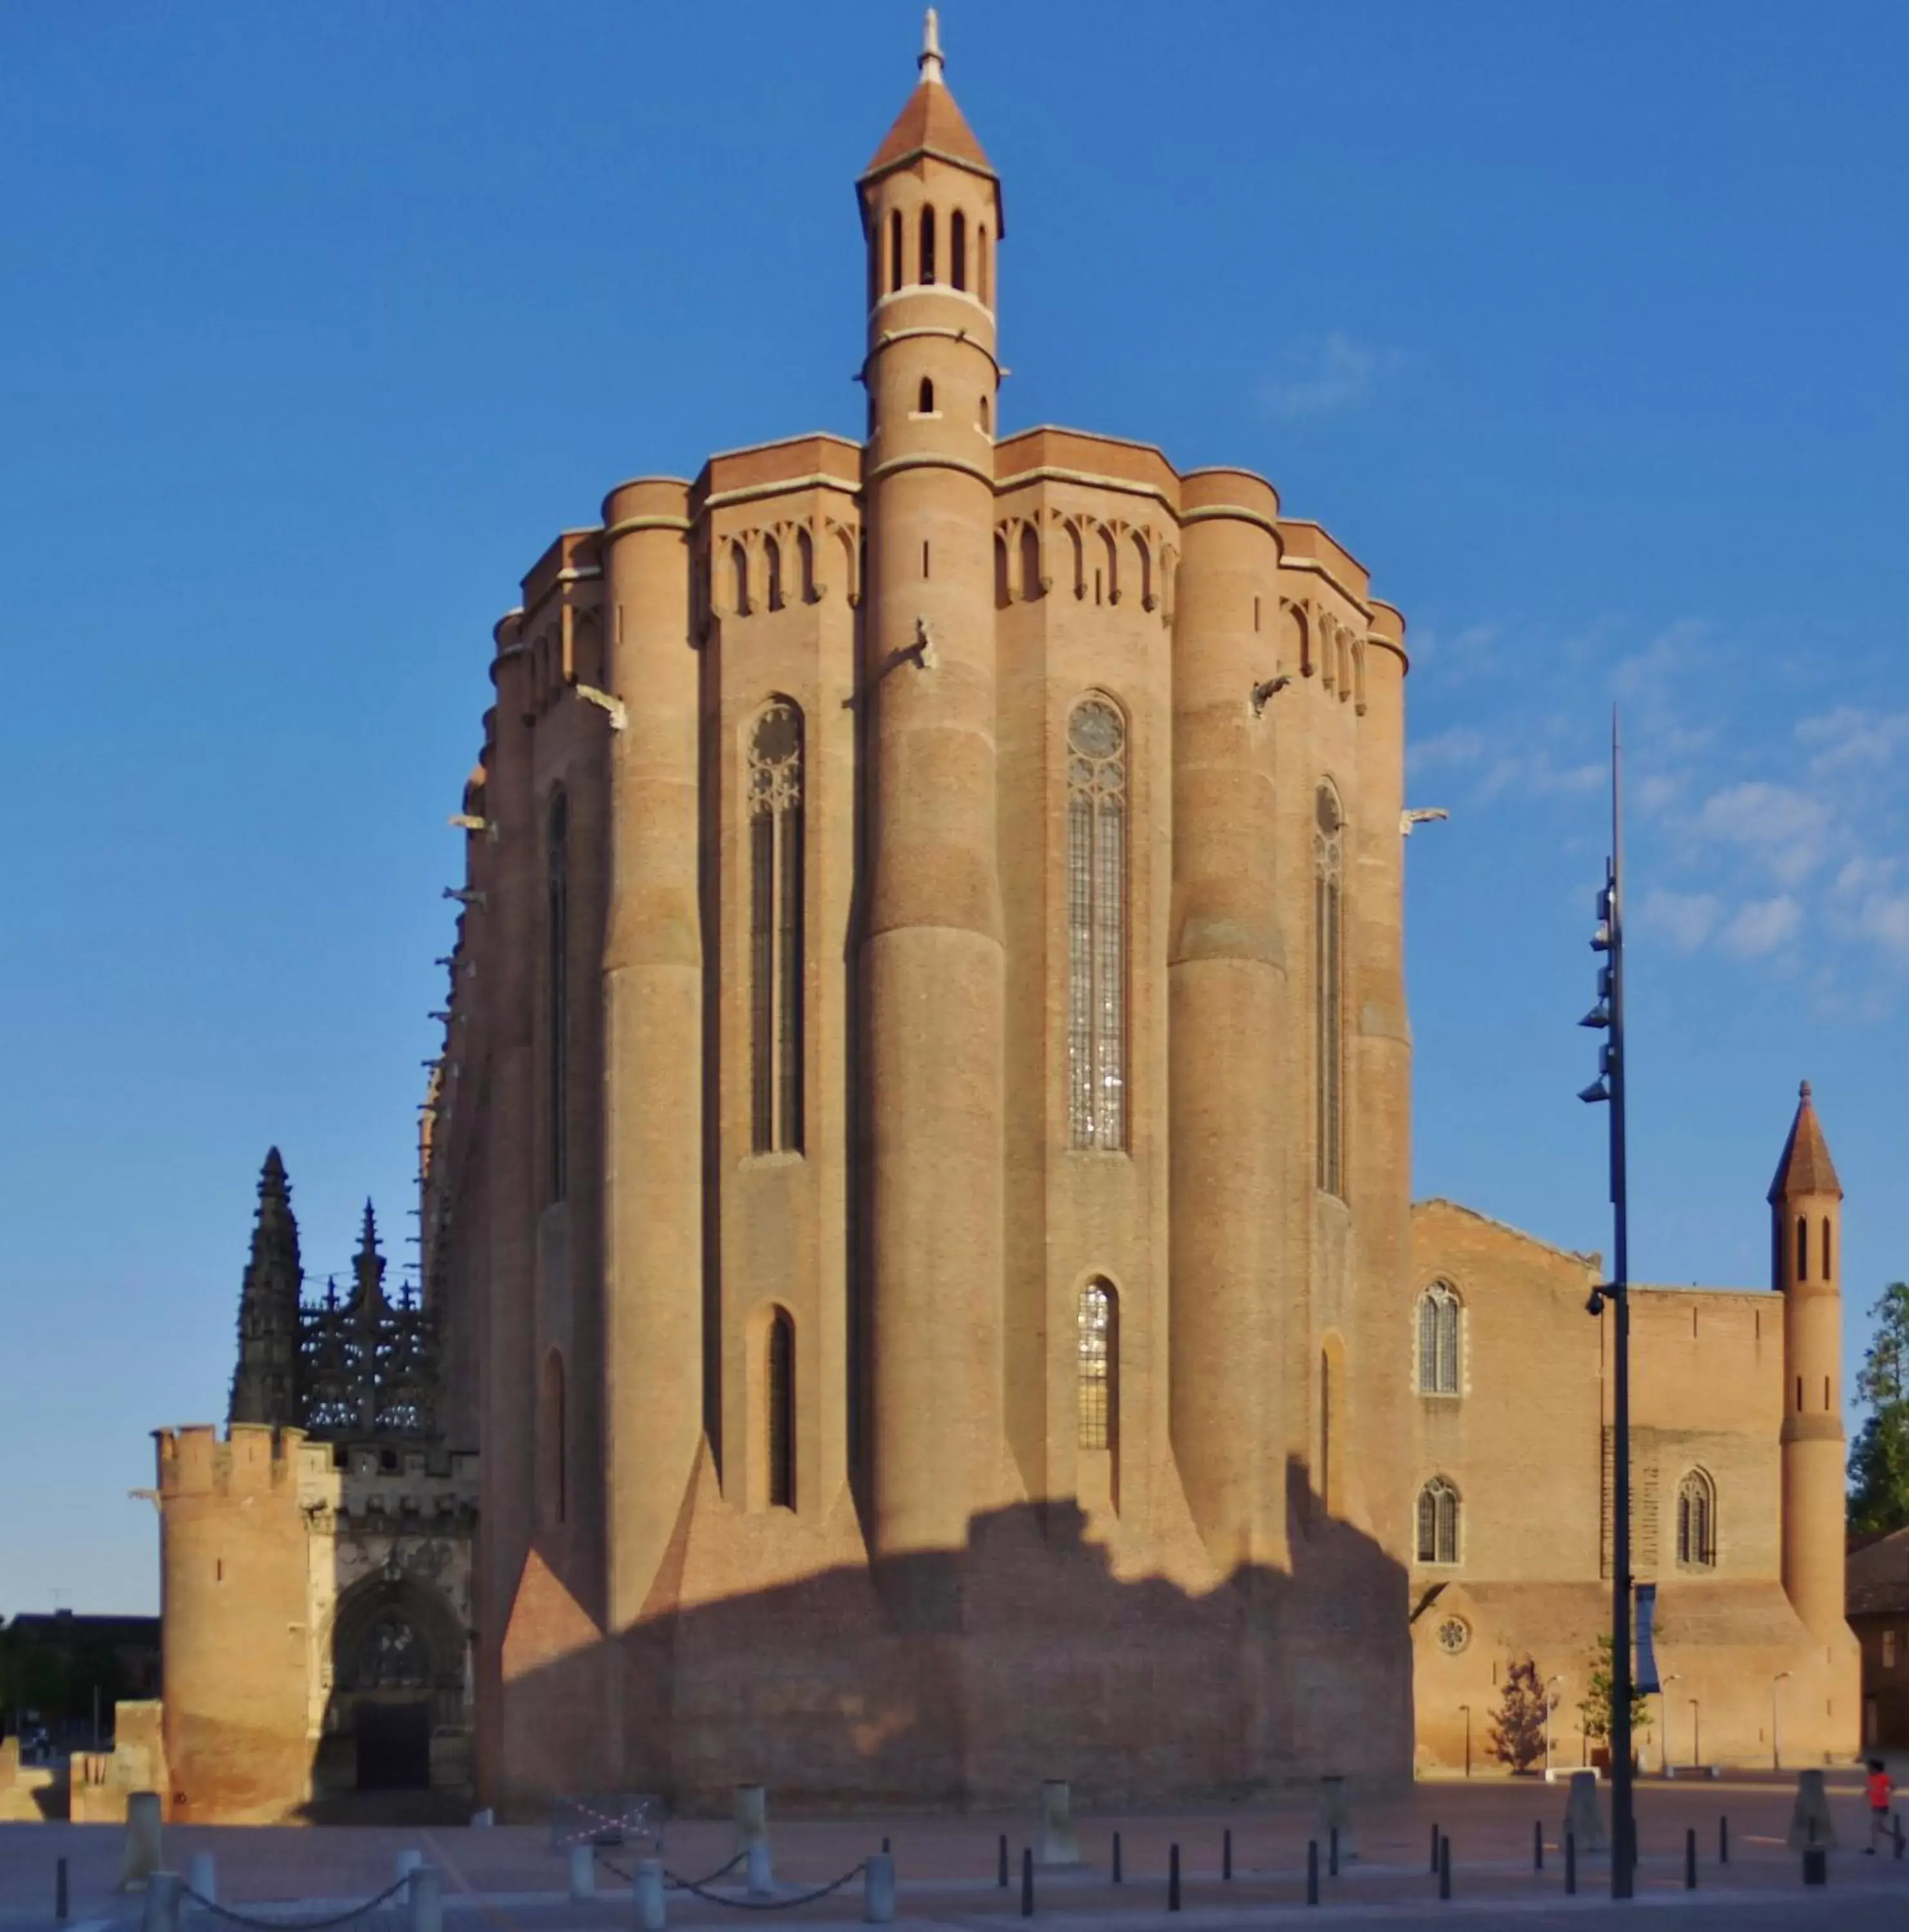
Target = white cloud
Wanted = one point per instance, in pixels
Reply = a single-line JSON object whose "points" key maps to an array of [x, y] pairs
{"points": [[1326, 376], [1459, 746], [1788, 830], [1687, 920], [1764, 925], [1847, 738]]}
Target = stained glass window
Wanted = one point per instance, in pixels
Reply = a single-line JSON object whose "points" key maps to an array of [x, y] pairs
{"points": [[1097, 925]]}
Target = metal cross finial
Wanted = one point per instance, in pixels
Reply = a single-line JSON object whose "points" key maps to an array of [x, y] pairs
{"points": [[930, 62]]}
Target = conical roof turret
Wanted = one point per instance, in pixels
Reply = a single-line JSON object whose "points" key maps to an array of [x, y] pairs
{"points": [[368, 1267], [930, 124], [262, 1379], [1806, 1167]]}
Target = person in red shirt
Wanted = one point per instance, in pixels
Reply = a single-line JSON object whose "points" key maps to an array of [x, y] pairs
{"points": [[1880, 1792]]}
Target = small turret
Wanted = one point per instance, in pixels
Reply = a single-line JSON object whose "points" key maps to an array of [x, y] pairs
{"points": [[1805, 1200], [367, 1267], [265, 1383]]}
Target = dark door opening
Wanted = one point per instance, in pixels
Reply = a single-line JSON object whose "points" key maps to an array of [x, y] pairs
{"points": [[393, 1746]]}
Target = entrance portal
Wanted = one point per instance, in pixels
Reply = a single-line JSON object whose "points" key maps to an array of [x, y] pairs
{"points": [[393, 1746]]}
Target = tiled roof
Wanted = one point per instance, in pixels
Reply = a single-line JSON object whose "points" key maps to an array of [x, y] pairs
{"points": [[929, 123], [1876, 1580], [1806, 1167]]}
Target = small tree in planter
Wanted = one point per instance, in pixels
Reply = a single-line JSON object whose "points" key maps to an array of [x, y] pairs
{"points": [[1518, 1730], [1594, 1712]]}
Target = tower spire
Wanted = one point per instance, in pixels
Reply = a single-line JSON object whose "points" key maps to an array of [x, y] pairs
{"points": [[264, 1382], [368, 1266], [930, 60]]}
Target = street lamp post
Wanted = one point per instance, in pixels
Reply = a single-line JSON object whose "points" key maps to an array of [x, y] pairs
{"points": [[1775, 1735], [1608, 1088]]}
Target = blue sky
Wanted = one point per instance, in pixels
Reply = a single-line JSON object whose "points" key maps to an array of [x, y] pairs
{"points": [[1583, 327]]}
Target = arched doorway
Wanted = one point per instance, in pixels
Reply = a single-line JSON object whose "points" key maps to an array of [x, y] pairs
{"points": [[397, 1676]]}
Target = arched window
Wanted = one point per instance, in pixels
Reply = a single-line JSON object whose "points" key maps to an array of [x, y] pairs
{"points": [[779, 1416], [1437, 1341], [1099, 1344], [895, 251], [557, 966], [554, 1472], [776, 947], [391, 1656], [985, 416], [1000, 572], [1438, 1523], [957, 249], [804, 554], [772, 557], [1329, 988], [1696, 1522], [925, 400], [1802, 1247], [926, 270], [739, 563], [1097, 925], [981, 264], [1829, 1266], [1030, 587]]}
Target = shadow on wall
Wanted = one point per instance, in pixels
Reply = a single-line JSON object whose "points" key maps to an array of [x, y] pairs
{"points": [[965, 1679]]}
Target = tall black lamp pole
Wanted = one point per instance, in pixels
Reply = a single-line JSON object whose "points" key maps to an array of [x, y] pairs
{"points": [[1608, 1088]]}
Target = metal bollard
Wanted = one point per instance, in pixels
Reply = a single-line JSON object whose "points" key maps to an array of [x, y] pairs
{"points": [[1816, 1865], [885, 1845], [1173, 1878], [1690, 1858], [1000, 1877], [201, 1877], [1538, 1847], [1434, 1865], [583, 1873], [408, 1861], [1027, 1881], [1312, 1871], [143, 1855], [1570, 1864], [1723, 1839], [760, 1869], [647, 1888], [483, 1820], [1332, 1853], [1226, 1854], [425, 1885], [1117, 1873], [1895, 1827], [878, 1888], [1444, 1868], [61, 1900], [162, 1903]]}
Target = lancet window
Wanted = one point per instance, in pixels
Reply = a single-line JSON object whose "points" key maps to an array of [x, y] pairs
{"points": [[1097, 1323], [779, 1418], [1328, 971], [557, 990], [1437, 1341], [1097, 925], [775, 944], [1438, 1523], [1696, 1522]]}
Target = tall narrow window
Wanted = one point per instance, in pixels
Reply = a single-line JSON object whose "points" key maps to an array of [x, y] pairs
{"points": [[1328, 990], [1696, 1522], [555, 1474], [895, 251], [776, 947], [1437, 1341], [557, 990], [1097, 925], [772, 557], [1099, 1366], [1828, 1266], [957, 249], [779, 1416], [925, 272], [1802, 1247], [1438, 1523], [925, 398]]}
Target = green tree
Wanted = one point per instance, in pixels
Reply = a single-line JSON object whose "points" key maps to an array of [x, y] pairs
{"points": [[1518, 1730], [1879, 1464], [1594, 1712]]}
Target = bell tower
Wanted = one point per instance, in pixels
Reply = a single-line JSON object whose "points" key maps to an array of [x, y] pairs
{"points": [[1806, 1207], [932, 959]]}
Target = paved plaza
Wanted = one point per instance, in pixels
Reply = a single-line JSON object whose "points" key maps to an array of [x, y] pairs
{"points": [[947, 1868]]}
